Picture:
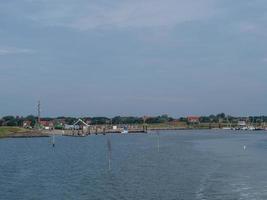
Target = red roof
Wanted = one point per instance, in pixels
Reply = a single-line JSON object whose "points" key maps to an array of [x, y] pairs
{"points": [[193, 118], [46, 123]]}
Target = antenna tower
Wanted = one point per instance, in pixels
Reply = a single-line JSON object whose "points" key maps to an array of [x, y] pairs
{"points": [[39, 112]]}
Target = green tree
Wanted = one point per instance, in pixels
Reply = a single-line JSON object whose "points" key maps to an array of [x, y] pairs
{"points": [[8, 118]]}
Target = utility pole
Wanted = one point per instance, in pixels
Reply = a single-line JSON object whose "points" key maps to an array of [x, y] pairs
{"points": [[39, 114]]}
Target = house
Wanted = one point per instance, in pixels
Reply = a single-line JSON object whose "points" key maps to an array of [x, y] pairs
{"points": [[193, 119], [48, 125], [82, 125], [59, 123], [145, 118], [26, 124], [71, 127], [242, 123], [88, 121]]}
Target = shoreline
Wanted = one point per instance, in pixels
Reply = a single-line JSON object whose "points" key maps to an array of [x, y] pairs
{"points": [[24, 135], [44, 133], [18, 132]]}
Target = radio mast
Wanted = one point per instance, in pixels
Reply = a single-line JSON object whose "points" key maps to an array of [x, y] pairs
{"points": [[39, 113]]}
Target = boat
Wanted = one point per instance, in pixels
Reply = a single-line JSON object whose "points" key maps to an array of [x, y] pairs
{"points": [[125, 130], [245, 128], [229, 125], [251, 128]]}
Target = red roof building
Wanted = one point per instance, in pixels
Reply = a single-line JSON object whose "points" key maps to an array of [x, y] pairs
{"points": [[47, 123], [193, 119]]}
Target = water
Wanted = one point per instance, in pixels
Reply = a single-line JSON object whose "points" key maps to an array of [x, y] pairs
{"points": [[188, 165]]}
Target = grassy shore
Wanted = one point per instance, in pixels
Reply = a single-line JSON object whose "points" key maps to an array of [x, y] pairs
{"points": [[167, 126], [7, 131], [183, 125]]}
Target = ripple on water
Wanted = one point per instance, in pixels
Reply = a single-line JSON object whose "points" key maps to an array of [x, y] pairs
{"points": [[189, 165]]}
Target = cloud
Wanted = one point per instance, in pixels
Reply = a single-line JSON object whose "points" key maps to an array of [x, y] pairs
{"points": [[161, 99], [141, 14], [14, 50], [84, 15], [264, 60], [256, 27]]}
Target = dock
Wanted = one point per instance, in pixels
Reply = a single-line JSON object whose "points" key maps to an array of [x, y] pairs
{"points": [[99, 130]]}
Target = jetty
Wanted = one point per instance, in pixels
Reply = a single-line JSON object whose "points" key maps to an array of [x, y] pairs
{"points": [[102, 129]]}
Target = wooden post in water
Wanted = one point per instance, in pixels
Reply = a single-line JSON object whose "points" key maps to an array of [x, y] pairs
{"points": [[158, 139], [104, 131], [109, 152], [53, 139], [145, 128]]}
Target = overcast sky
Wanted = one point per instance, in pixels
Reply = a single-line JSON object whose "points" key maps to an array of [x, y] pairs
{"points": [[133, 57]]}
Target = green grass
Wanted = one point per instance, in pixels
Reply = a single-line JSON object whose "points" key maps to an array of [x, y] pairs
{"points": [[166, 125], [6, 130]]}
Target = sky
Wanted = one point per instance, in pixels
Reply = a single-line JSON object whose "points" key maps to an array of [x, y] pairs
{"points": [[141, 57]]}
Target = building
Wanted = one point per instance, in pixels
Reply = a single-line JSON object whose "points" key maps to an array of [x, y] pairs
{"points": [[26, 124], [242, 123], [71, 127], [48, 125], [88, 121], [145, 118], [193, 119], [59, 123]]}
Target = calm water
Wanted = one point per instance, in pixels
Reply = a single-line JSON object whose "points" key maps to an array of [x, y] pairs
{"points": [[189, 165]]}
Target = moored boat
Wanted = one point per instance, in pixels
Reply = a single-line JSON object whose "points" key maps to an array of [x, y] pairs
{"points": [[125, 130], [251, 128]]}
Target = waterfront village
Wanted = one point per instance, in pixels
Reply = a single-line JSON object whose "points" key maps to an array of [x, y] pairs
{"points": [[118, 124]]}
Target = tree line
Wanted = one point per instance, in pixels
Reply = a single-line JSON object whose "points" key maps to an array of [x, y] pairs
{"points": [[219, 118]]}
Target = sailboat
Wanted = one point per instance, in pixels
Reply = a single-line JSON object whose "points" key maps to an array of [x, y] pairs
{"points": [[260, 127], [228, 126], [251, 127]]}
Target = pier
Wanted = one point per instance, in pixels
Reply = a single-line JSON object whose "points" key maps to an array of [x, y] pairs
{"points": [[101, 130]]}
